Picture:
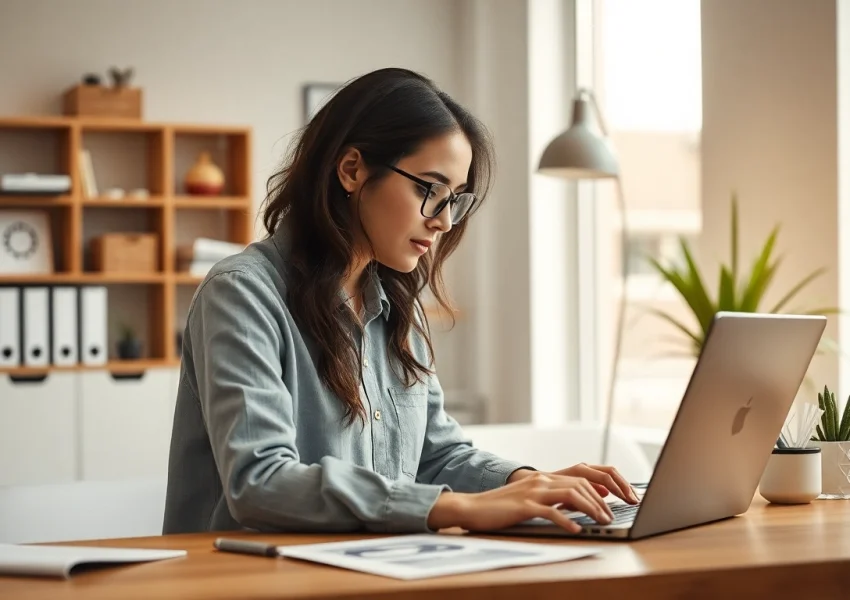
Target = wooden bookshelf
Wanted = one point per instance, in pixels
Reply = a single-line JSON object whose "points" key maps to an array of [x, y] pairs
{"points": [[132, 154]]}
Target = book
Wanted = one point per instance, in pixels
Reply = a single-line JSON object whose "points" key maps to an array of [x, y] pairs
{"points": [[429, 555], [62, 561]]}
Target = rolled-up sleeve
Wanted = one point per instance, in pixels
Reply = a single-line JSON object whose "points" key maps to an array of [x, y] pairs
{"points": [[449, 458], [237, 326]]}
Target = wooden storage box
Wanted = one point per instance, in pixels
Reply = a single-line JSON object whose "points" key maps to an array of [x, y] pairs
{"points": [[102, 101], [125, 253]]}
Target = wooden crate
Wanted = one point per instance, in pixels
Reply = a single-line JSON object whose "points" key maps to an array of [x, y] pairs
{"points": [[125, 253], [103, 101]]}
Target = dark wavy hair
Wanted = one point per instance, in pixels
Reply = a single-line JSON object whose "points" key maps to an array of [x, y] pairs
{"points": [[386, 115]]}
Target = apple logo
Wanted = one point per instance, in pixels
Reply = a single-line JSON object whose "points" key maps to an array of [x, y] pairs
{"points": [[740, 416]]}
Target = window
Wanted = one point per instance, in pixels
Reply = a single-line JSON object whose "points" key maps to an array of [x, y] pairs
{"points": [[647, 78]]}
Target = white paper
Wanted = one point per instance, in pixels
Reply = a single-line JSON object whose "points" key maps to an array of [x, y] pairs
{"points": [[420, 556], [57, 561]]}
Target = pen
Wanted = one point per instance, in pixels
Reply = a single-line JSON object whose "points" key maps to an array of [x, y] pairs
{"points": [[245, 547]]}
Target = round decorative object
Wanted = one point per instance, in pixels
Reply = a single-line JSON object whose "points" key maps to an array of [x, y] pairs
{"points": [[204, 178], [20, 240]]}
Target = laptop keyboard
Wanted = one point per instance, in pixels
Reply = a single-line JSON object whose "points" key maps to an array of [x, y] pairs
{"points": [[623, 513]]}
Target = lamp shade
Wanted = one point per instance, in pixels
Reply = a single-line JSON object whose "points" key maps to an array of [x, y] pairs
{"points": [[582, 151]]}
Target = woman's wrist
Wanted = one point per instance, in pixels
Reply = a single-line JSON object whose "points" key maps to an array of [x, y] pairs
{"points": [[519, 474], [447, 511]]}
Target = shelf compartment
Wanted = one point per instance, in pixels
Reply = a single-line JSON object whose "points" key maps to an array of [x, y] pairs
{"points": [[126, 158], [229, 150]]}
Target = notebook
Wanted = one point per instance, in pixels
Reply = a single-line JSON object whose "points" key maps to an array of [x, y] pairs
{"points": [[62, 561]]}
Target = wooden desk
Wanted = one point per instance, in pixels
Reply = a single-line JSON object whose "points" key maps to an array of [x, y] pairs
{"points": [[770, 552]]}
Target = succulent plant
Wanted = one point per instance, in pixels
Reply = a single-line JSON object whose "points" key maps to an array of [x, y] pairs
{"points": [[831, 429]]}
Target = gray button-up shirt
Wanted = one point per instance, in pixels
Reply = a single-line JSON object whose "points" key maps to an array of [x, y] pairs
{"points": [[260, 442]]}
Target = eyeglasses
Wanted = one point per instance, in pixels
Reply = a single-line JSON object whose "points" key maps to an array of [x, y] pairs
{"points": [[436, 196]]}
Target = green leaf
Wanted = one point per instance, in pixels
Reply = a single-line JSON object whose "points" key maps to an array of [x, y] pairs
{"points": [[704, 309], [828, 418], [797, 288], [835, 426], [821, 436], [676, 323], [760, 275], [844, 431], [726, 290], [685, 288], [826, 310], [734, 239]]}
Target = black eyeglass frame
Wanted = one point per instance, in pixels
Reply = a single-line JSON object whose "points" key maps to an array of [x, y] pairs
{"points": [[428, 185]]}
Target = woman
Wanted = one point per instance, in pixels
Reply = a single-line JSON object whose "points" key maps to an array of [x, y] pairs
{"points": [[307, 398]]}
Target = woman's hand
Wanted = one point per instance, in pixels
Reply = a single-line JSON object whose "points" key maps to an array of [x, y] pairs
{"points": [[536, 494], [605, 479]]}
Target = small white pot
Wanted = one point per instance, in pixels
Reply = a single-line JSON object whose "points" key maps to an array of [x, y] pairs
{"points": [[835, 469], [792, 476]]}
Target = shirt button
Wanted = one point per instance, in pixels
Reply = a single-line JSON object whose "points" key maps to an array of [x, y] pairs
{"points": [[377, 415], [365, 363]]}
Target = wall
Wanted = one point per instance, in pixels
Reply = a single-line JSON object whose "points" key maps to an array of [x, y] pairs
{"points": [[492, 276], [770, 125]]}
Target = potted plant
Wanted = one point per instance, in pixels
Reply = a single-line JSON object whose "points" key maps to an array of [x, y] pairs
{"points": [[129, 345], [833, 439], [734, 293]]}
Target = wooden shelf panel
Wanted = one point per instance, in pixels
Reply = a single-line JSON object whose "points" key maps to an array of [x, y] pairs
{"points": [[34, 201], [187, 279], [35, 122], [83, 278], [102, 202], [113, 366], [115, 125], [208, 202], [121, 125]]}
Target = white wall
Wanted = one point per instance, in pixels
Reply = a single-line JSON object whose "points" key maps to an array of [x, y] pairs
{"points": [[492, 275], [770, 123]]}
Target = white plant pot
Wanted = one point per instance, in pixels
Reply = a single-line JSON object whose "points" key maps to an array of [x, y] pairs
{"points": [[835, 469]]}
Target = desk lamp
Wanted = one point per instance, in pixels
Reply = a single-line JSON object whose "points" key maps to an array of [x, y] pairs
{"points": [[584, 152]]}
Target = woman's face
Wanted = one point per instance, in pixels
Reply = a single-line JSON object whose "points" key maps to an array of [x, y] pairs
{"points": [[390, 209]]}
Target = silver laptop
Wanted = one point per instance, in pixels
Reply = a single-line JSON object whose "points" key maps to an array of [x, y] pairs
{"points": [[738, 397]]}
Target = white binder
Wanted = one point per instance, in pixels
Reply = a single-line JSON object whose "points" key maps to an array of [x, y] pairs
{"points": [[64, 326], [93, 325], [36, 334], [10, 327]]}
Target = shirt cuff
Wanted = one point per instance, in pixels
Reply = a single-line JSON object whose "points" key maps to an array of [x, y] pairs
{"points": [[496, 474], [408, 506]]}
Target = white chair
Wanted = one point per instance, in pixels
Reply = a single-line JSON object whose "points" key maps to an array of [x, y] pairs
{"points": [[553, 448], [81, 511]]}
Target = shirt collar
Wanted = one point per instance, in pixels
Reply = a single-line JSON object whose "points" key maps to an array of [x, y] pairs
{"points": [[375, 300]]}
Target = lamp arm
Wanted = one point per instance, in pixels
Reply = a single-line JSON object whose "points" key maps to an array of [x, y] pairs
{"points": [[600, 119], [621, 314]]}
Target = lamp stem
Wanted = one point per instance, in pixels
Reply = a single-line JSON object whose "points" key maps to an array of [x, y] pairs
{"points": [[598, 112], [621, 314]]}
